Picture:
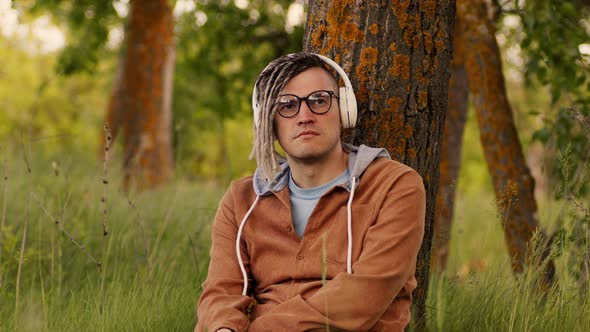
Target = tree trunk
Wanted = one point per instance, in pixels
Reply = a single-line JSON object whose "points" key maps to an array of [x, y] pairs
{"points": [[450, 159], [141, 103], [513, 183], [397, 54]]}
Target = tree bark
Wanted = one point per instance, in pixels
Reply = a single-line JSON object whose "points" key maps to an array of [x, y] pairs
{"points": [[513, 183], [397, 54], [450, 159], [141, 103]]}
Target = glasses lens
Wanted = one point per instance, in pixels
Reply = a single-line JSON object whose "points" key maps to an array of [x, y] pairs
{"points": [[288, 106], [320, 101]]}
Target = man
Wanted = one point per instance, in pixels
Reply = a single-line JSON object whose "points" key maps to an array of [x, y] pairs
{"points": [[326, 238]]}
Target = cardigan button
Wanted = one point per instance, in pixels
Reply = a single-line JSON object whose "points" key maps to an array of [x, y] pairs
{"points": [[300, 257]]}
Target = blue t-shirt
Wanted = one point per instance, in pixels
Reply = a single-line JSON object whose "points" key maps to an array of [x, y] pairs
{"points": [[303, 201]]}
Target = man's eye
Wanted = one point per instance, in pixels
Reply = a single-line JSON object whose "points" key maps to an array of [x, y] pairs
{"points": [[287, 106], [318, 101]]}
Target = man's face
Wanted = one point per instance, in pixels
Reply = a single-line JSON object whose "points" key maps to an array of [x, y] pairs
{"points": [[307, 136]]}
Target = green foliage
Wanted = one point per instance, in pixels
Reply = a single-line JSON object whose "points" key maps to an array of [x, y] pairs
{"points": [[36, 102], [221, 49], [88, 23], [551, 35]]}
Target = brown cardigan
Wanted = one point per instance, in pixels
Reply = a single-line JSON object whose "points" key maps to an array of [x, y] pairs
{"points": [[286, 272]]}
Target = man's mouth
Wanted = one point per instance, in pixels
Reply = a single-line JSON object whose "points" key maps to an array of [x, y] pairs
{"points": [[307, 133]]}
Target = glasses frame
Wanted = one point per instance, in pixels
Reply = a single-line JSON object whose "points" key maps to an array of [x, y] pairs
{"points": [[302, 99]]}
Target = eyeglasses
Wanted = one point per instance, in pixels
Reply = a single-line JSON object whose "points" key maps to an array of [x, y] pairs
{"points": [[319, 102]]}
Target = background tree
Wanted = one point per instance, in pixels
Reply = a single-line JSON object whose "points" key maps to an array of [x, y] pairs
{"points": [[397, 54], [450, 160], [141, 103], [559, 66]]}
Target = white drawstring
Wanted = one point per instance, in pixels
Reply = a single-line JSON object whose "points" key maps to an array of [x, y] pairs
{"points": [[349, 212], [349, 225], [240, 229]]}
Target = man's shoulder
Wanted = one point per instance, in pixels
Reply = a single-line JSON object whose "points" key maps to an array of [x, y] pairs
{"points": [[390, 168], [242, 184]]}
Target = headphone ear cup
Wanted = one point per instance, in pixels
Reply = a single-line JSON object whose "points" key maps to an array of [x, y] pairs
{"points": [[348, 108]]}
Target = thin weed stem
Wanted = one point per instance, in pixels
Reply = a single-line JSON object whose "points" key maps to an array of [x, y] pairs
{"points": [[195, 256], [164, 225], [3, 220], [146, 244], [105, 232], [24, 238], [60, 227]]}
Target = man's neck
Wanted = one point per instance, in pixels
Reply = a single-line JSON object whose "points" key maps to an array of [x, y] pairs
{"points": [[308, 174]]}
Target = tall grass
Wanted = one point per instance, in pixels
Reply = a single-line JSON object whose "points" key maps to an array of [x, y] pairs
{"points": [[156, 256], [60, 285], [479, 292]]}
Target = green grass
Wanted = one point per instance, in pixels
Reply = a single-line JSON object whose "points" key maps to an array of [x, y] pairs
{"points": [[479, 292], [60, 284]]}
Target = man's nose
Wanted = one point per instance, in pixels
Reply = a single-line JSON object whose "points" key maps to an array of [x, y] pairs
{"points": [[305, 114]]}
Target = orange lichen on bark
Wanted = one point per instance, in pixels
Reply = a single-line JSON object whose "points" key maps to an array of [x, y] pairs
{"points": [[400, 9], [340, 26], [428, 43], [408, 130], [351, 32], [365, 71], [424, 81], [428, 7], [369, 55], [317, 36], [417, 29], [393, 47], [409, 32], [440, 37], [400, 66], [374, 28], [422, 99], [394, 104], [396, 142]]}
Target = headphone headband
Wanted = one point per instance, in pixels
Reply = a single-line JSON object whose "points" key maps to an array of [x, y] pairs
{"points": [[348, 105]]}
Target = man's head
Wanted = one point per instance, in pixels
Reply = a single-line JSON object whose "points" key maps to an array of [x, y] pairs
{"points": [[292, 82]]}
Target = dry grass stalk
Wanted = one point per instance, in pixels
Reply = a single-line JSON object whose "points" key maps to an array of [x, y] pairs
{"points": [[164, 224], [64, 232], [24, 238], [105, 232], [3, 220], [105, 181], [146, 244]]}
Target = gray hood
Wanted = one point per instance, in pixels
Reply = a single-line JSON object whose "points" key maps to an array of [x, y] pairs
{"points": [[358, 160]]}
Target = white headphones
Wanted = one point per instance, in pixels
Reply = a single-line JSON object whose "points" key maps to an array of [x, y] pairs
{"points": [[348, 107]]}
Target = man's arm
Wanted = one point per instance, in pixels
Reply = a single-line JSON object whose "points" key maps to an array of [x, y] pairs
{"points": [[222, 304], [357, 301]]}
